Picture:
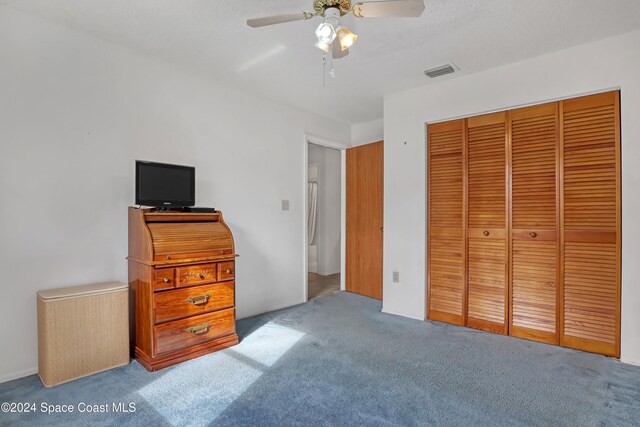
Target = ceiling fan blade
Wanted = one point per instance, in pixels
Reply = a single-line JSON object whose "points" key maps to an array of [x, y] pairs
{"points": [[279, 19], [397, 8], [336, 50]]}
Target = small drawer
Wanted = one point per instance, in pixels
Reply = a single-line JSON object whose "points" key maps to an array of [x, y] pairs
{"points": [[164, 279], [194, 300], [226, 270], [196, 275], [180, 334]]}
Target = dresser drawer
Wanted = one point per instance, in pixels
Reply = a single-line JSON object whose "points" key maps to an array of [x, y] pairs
{"points": [[226, 270], [164, 279], [180, 334], [194, 300], [196, 274]]}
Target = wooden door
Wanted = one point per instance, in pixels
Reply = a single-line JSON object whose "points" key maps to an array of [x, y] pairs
{"points": [[364, 198], [487, 244], [591, 199], [534, 223], [445, 247]]}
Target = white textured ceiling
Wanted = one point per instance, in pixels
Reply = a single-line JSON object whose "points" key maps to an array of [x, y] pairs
{"points": [[281, 63]]}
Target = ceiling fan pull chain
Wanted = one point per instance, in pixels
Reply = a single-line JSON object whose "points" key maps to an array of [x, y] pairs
{"points": [[332, 71], [324, 70]]}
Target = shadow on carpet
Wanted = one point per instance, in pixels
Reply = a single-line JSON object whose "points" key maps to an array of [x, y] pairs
{"points": [[338, 361]]}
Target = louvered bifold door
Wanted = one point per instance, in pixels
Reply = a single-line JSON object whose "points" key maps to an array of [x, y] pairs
{"points": [[534, 223], [590, 132], [487, 290], [446, 258]]}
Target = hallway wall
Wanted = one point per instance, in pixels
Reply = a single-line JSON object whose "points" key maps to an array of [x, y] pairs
{"points": [[327, 237]]}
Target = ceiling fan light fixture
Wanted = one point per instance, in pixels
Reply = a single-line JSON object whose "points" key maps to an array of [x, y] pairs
{"points": [[334, 37], [326, 33], [345, 37]]}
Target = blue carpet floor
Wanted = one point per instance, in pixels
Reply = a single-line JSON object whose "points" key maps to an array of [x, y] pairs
{"points": [[338, 361]]}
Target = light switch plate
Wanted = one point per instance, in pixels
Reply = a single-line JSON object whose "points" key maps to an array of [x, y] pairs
{"points": [[285, 205], [396, 277]]}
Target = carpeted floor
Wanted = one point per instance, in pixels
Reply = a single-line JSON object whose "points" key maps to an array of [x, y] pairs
{"points": [[338, 361]]}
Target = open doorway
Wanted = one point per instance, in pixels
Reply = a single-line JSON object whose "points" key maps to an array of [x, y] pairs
{"points": [[324, 219]]}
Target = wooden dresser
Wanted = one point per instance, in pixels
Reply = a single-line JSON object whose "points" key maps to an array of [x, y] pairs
{"points": [[181, 276]]}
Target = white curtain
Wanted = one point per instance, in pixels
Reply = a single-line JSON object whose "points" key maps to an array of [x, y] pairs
{"points": [[312, 210]]}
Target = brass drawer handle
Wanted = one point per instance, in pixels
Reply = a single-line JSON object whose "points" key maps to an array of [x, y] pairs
{"points": [[166, 280], [533, 235], [199, 330], [486, 233], [228, 271], [199, 300]]}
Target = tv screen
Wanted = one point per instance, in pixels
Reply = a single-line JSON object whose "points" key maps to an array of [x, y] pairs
{"points": [[160, 184]]}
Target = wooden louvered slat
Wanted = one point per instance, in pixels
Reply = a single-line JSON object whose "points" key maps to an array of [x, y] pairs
{"points": [[486, 284], [486, 169], [487, 243], [534, 288], [445, 207], [447, 273], [533, 167], [589, 137], [446, 256], [590, 291], [590, 304], [534, 223]]}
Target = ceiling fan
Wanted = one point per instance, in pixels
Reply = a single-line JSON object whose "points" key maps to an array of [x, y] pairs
{"points": [[334, 36]]}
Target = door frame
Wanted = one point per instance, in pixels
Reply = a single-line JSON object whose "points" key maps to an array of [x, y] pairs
{"points": [[312, 139]]}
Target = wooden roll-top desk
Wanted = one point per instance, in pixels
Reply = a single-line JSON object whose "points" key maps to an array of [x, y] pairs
{"points": [[182, 279]]}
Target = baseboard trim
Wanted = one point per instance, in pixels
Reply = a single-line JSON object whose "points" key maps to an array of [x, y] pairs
{"points": [[313, 267], [324, 273], [409, 316], [629, 361], [17, 375], [268, 310]]}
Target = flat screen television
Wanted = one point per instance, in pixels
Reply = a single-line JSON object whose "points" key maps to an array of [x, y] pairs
{"points": [[165, 185]]}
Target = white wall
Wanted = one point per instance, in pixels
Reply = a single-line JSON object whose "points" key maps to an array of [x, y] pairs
{"points": [[367, 132], [606, 64], [327, 236], [74, 114]]}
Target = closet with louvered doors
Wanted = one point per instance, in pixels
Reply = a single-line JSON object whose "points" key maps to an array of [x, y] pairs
{"points": [[446, 227], [535, 218], [591, 221], [487, 266], [524, 214]]}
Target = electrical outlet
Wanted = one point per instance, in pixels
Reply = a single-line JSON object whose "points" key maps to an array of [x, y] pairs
{"points": [[396, 277], [285, 205]]}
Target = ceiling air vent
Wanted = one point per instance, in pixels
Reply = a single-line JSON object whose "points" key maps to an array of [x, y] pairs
{"points": [[440, 71]]}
